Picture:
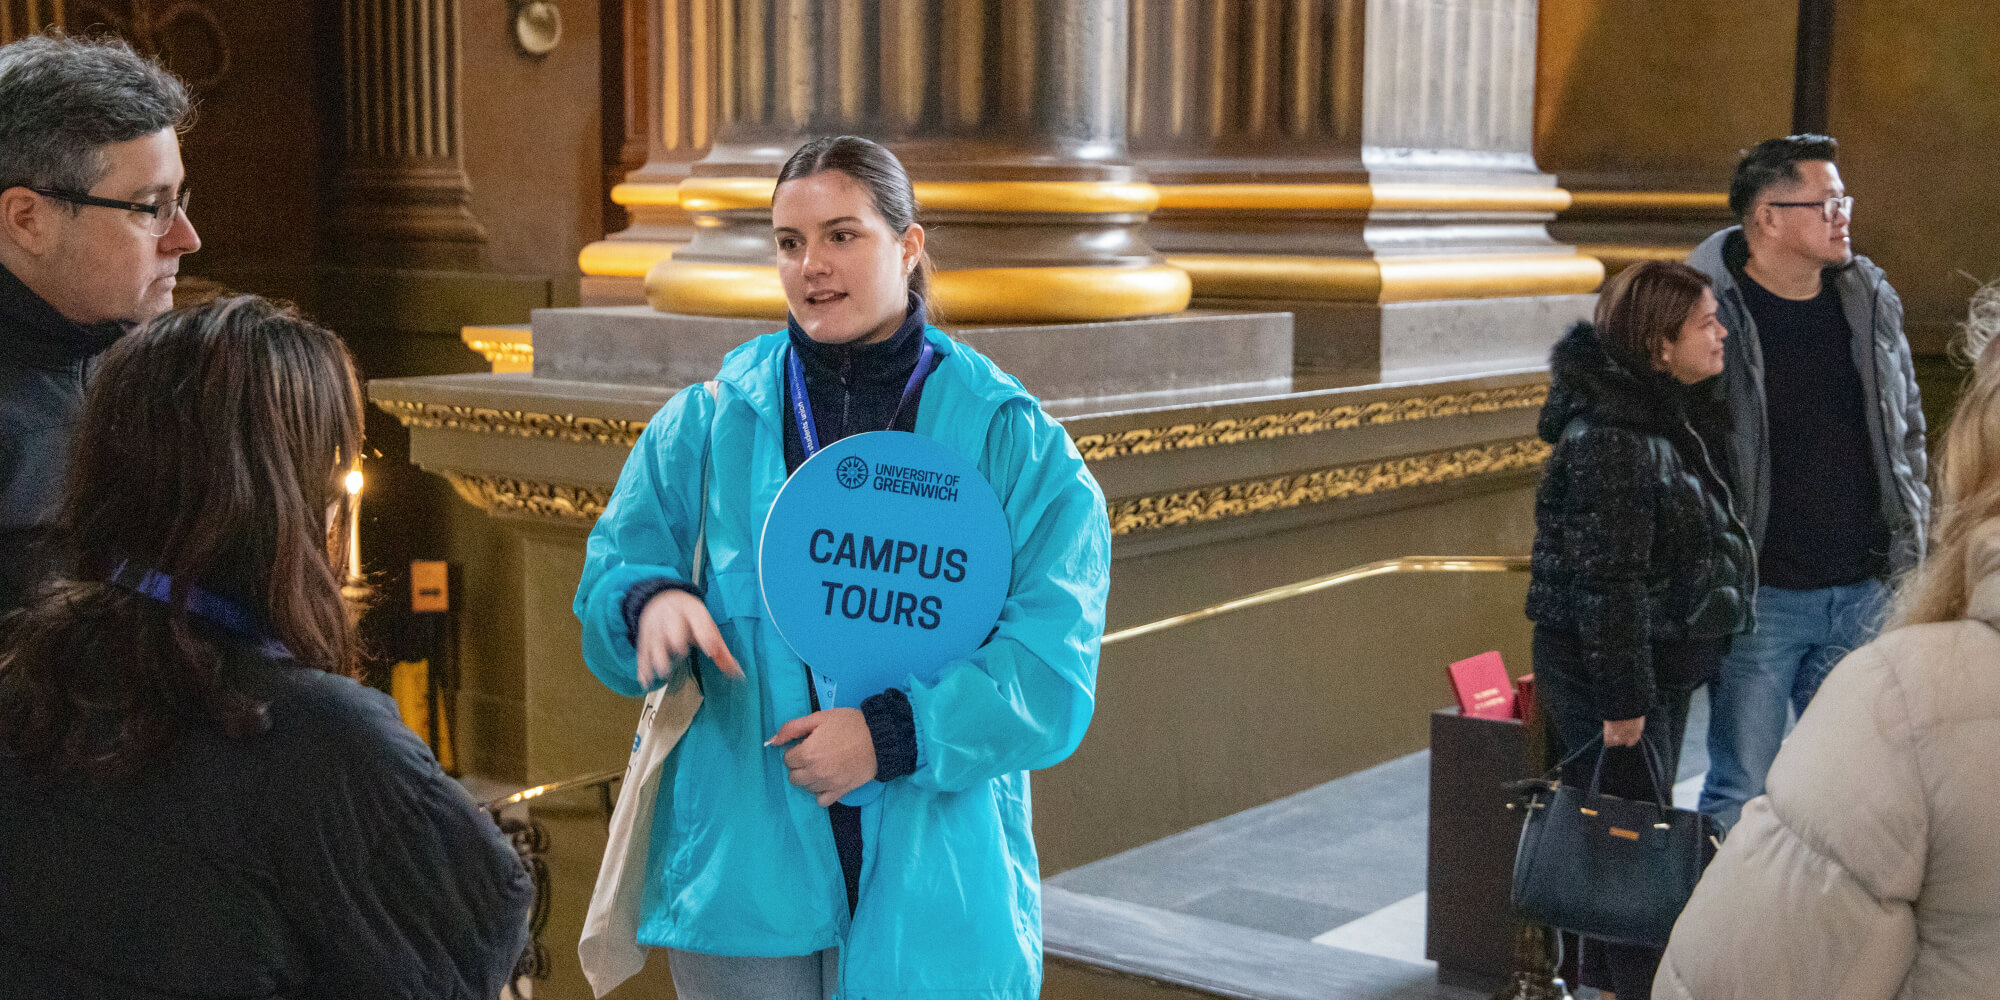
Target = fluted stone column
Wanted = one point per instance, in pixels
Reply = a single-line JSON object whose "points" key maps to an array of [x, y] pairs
{"points": [[1009, 115], [403, 193], [1365, 164], [21, 18], [672, 52]]}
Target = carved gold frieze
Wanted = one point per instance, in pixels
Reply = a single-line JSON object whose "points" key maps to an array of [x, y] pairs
{"points": [[501, 495], [505, 355], [519, 423], [1149, 440], [1339, 483], [583, 504]]}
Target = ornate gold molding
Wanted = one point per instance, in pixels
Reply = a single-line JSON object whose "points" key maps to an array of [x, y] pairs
{"points": [[500, 495], [519, 423], [509, 349], [583, 504], [1338, 483], [1150, 440]]}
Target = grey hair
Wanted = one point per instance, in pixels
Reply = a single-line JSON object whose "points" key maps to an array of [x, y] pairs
{"points": [[63, 99]]}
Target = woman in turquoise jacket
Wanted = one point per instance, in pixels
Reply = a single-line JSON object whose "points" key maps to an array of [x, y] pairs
{"points": [[756, 886]]}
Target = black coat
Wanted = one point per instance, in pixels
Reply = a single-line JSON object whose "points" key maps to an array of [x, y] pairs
{"points": [[1636, 543], [44, 363], [328, 857]]}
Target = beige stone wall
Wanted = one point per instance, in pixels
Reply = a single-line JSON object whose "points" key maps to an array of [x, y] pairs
{"points": [[1915, 103]]}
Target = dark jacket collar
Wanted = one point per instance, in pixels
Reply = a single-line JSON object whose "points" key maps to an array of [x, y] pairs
{"points": [[1723, 255], [890, 361], [1586, 380], [33, 333]]}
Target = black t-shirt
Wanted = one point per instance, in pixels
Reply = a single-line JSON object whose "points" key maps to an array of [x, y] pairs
{"points": [[1825, 527]]}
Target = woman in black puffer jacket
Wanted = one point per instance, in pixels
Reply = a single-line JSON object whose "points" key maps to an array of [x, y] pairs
{"points": [[1641, 571]]}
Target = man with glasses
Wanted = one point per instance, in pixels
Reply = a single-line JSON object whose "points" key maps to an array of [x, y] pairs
{"points": [[92, 229], [1826, 455]]}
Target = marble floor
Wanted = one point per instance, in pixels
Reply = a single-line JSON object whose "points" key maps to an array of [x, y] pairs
{"points": [[1328, 882]]}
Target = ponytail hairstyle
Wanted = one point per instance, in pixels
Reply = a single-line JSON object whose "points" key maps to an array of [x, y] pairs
{"points": [[871, 165], [1968, 478], [211, 448]]}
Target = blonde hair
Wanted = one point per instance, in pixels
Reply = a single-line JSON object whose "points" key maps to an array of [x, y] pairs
{"points": [[1968, 476]]}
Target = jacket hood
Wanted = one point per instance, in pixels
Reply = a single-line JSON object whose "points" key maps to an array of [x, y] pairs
{"points": [[1586, 381], [1724, 253]]}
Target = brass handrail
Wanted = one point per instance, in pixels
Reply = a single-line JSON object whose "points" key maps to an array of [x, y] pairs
{"points": [[1405, 564], [601, 778], [1385, 567]]}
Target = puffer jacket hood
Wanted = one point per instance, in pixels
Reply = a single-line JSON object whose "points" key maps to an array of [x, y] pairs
{"points": [[1635, 539], [1585, 379]]}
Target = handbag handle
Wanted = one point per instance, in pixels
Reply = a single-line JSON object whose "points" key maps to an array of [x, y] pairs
{"points": [[1651, 756], [1653, 768]]}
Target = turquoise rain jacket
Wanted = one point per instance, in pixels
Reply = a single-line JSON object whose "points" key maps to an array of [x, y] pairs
{"points": [[743, 862]]}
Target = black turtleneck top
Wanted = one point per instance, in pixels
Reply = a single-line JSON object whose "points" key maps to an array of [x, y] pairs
{"points": [[45, 360], [856, 389], [853, 389]]}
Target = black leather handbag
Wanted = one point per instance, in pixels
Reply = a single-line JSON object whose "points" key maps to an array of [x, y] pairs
{"points": [[1613, 869]]}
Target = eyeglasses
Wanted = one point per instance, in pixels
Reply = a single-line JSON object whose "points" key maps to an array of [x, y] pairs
{"points": [[1827, 209], [162, 214]]}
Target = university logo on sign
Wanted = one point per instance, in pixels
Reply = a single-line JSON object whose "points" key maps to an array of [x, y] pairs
{"points": [[884, 558]]}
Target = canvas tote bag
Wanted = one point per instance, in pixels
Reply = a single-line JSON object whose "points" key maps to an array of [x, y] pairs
{"points": [[610, 947]]}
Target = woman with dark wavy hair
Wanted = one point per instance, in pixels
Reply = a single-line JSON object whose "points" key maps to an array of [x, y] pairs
{"points": [[202, 802]]}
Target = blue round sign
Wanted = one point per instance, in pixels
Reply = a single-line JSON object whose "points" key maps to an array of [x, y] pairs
{"points": [[885, 557]]}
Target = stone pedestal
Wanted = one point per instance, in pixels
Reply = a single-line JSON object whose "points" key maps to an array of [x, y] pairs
{"points": [[1107, 365]]}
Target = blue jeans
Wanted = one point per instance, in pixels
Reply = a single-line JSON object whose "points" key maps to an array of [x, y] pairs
{"points": [[1774, 672]]}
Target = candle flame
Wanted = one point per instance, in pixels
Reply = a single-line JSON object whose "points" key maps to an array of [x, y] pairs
{"points": [[354, 482]]}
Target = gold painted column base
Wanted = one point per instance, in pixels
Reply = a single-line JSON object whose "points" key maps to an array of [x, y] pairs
{"points": [[1391, 279], [623, 258], [983, 295]]}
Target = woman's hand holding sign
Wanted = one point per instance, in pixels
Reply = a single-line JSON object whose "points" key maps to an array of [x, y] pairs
{"points": [[835, 752], [675, 621]]}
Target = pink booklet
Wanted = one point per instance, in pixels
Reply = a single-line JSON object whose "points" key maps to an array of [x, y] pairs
{"points": [[1483, 688]]}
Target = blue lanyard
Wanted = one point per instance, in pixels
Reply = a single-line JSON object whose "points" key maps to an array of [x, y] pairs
{"points": [[200, 603], [795, 372]]}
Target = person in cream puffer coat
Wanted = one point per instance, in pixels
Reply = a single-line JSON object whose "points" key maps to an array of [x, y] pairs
{"points": [[1871, 866]]}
